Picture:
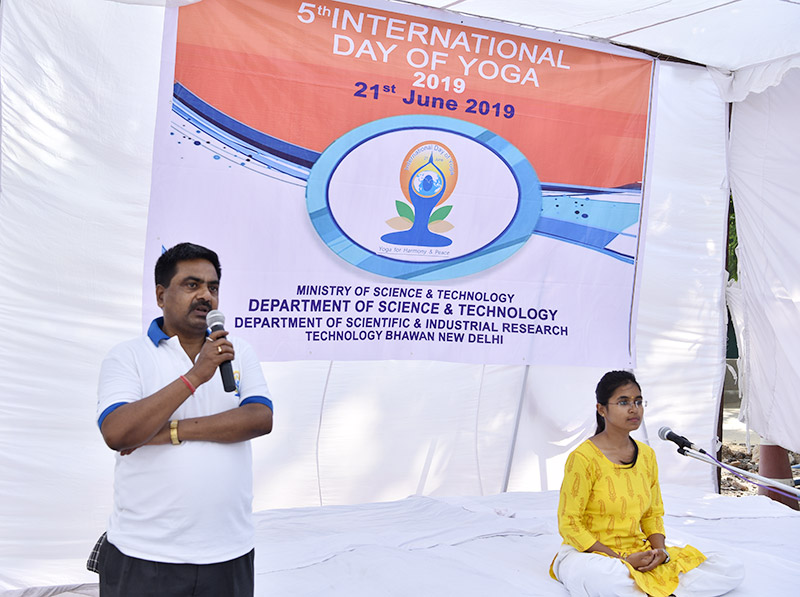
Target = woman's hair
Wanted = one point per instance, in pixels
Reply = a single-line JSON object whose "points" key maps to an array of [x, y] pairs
{"points": [[606, 387]]}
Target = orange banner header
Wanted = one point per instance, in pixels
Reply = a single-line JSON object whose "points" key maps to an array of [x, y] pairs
{"points": [[308, 72]]}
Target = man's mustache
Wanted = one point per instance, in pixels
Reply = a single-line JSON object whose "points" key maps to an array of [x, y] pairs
{"points": [[200, 303]]}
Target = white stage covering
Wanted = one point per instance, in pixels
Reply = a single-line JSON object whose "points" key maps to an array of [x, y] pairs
{"points": [[493, 545]]}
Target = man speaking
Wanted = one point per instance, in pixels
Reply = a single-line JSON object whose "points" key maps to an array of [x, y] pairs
{"points": [[182, 518]]}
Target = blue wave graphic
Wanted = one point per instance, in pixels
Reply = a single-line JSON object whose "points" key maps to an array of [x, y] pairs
{"points": [[270, 151], [580, 215]]}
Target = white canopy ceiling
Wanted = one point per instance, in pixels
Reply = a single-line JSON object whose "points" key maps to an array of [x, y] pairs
{"points": [[726, 34]]}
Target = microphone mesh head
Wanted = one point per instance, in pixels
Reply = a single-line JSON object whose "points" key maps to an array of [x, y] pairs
{"points": [[662, 433], [215, 318]]}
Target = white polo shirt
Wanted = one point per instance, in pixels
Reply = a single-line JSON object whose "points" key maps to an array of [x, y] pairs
{"points": [[190, 503]]}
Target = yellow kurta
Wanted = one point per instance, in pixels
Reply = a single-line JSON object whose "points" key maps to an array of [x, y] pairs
{"points": [[620, 507]]}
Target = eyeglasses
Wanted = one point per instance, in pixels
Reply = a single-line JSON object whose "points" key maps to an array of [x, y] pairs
{"points": [[627, 403]]}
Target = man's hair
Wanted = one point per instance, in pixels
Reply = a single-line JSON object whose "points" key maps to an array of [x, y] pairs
{"points": [[168, 262]]}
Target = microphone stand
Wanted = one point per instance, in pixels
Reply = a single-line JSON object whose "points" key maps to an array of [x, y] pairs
{"points": [[703, 457]]}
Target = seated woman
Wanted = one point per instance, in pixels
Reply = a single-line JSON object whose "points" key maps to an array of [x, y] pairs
{"points": [[610, 514]]}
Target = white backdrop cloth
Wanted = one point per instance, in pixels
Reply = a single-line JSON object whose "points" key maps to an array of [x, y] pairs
{"points": [[79, 82], [764, 157]]}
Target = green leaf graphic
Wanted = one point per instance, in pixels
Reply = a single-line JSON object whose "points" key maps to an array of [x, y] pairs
{"points": [[404, 210], [440, 214]]}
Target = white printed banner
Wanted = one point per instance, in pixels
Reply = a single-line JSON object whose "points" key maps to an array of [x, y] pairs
{"points": [[397, 185]]}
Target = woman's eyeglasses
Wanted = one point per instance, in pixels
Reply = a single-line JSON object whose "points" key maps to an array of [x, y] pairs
{"points": [[626, 403]]}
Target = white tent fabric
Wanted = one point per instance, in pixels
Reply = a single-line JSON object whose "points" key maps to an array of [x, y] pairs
{"points": [[736, 86], [78, 86], [74, 179], [764, 157], [726, 34]]}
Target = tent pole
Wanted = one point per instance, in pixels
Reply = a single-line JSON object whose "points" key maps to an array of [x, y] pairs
{"points": [[516, 430], [477, 430], [319, 429]]}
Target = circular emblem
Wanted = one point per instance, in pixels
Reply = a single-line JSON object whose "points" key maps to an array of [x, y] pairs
{"points": [[464, 200]]}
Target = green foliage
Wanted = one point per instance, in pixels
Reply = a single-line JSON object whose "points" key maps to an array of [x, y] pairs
{"points": [[440, 214], [404, 210], [732, 263]]}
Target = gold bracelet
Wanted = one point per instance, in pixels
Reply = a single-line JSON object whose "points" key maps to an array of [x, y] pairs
{"points": [[173, 432]]}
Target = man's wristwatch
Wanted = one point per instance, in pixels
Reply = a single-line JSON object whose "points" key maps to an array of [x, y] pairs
{"points": [[666, 553]]}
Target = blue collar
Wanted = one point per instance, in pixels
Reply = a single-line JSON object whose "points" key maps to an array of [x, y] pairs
{"points": [[155, 333]]}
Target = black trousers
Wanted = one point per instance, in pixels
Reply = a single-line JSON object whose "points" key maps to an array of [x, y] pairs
{"points": [[124, 576]]}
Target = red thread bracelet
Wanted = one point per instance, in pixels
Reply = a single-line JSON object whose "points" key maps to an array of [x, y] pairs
{"points": [[188, 384]]}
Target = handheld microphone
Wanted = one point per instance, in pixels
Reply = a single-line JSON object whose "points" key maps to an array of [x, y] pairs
{"points": [[216, 321], [667, 434]]}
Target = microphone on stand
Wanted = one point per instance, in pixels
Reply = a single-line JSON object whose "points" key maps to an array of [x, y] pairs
{"points": [[684, 444], [216, 321], [668, 434]]}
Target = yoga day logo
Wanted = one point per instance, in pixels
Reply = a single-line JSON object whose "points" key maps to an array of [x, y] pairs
{"points": [[443, 217], [427, 179]]}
